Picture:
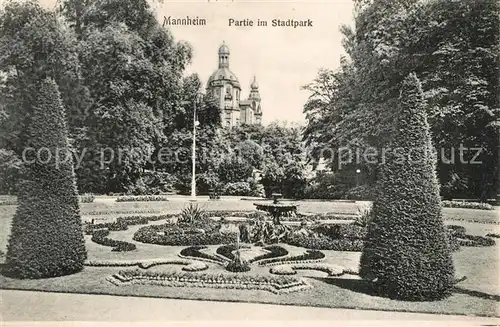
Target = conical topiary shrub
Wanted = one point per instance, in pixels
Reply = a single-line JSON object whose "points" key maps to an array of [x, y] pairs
{"points": [[406, 254], [46, 238]]}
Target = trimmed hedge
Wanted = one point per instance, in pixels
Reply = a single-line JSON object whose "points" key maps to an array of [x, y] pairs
{"points": [[194, 251], [46, 238], [276, 251], [238, 266], [475, 240], [178, 236], [309, 255], [467, 205], [406, 254], [101, 237], [141, 198], [122, 223], [112, 226], [326, 243], [226, 251]]}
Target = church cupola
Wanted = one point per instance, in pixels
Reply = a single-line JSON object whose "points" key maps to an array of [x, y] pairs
{"points": [[223, 55], [254, 90]]}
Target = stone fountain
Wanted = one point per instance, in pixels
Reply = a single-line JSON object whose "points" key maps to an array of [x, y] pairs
{"points": [[267, 232], [277, 209]]}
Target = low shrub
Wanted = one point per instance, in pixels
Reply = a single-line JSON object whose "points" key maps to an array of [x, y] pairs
{"points": [[361, 192], [493, 235], [237, 188], [191, 214], [329, 230], [226, 251], [325, 243], [194, 251], [87, 198], [275, 252], [101, 237], [237, 266], [173, 235], [340, 231], [141, 198], [475, 240], [467, 205], [112, 226]]}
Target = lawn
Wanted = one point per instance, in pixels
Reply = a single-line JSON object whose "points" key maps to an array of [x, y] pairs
{"points": [[479, 294]]}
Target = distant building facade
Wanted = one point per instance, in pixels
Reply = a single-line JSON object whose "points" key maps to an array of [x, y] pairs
{"points": [[224, 85]]}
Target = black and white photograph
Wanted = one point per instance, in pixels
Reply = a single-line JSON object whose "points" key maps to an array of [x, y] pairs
{"points": [[249, 163]]}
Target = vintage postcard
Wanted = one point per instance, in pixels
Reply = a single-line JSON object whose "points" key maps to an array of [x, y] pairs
{"points": [[249, 162]]}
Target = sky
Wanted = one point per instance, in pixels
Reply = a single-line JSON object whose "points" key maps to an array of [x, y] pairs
{"points": [[282, 58]]}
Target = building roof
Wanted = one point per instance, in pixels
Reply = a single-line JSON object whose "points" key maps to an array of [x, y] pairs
{"points": [[223, 73], [223, 49]]}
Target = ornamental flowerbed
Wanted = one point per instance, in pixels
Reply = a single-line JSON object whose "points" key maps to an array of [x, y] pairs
{"points": [[141, 198], [193, 252], [189, 265], [275, 251], [290, 269], [227, 251], [175, 236], [119, 212], [310, 256], [296, 217], [101, 237], [273, 284], [122, 223]]}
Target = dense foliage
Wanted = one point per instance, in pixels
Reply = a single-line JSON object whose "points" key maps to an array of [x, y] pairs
{"points": [[406, 254], [46, 237], [453, 48]]}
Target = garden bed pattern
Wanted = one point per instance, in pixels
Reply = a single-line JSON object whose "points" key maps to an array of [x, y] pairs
{"points": [[273, 284]]}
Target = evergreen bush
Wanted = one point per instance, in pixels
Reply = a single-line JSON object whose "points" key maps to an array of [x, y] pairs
{"points": [[406, 254], [46, 238]]}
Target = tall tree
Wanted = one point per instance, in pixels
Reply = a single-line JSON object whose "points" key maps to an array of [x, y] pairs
{"points": [[453, 47], [46, 238], [34, 44], [133, 69], [406, 253]]}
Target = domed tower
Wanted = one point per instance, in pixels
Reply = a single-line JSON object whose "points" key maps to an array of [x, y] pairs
{"points": [[254, 116], [224, 85]]}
